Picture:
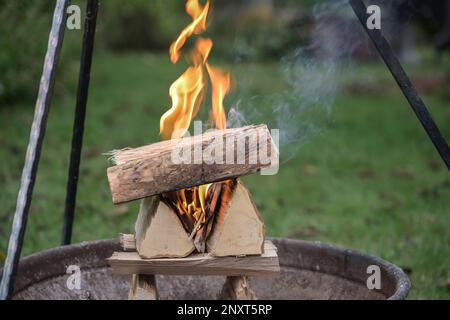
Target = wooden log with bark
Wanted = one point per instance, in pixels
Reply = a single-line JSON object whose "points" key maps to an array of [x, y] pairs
{"points": [[191, 161]]}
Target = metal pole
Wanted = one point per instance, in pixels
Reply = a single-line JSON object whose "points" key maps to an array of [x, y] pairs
{"points": [[80, 114], [405, 84], [34, 149]]}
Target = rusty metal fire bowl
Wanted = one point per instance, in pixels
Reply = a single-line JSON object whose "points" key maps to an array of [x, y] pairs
{"points": [[309, 270]]}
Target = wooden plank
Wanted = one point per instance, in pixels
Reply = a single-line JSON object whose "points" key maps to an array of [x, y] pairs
{"points": [[266, 264], [150, 170]]}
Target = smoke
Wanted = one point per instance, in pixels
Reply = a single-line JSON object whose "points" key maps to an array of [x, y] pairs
{"points": [[311, 76]]}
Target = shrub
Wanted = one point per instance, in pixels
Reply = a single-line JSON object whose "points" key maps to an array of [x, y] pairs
{"points": [[254, 30], [24, 27], [141, 24]]}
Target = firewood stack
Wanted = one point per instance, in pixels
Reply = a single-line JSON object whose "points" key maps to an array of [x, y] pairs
{"points": [[177, 232]]}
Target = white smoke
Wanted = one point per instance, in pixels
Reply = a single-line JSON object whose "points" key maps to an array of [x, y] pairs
{"points": [[312, 75]]}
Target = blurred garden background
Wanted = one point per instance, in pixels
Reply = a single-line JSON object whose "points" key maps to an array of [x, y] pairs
{"points": [[358, 170]]}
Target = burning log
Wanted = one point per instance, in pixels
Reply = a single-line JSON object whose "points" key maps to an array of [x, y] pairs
{"points": [[151, 170], [196, 217], [191, 196], [232, 226], [217, 193]]}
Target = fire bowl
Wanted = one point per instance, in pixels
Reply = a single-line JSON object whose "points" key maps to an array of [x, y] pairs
{"points": [[309, 270]]}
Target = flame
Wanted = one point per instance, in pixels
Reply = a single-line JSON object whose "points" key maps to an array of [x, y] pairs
{"points": [[187, 94], [190, 205], [197, 26], [220, 86]]}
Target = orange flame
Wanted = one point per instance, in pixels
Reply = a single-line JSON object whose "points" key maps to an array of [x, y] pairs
{"points": [[187, 94], [197, 26], [220, 86]]}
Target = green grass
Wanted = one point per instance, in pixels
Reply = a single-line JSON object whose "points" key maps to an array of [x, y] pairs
{"points": [[370, 181]]}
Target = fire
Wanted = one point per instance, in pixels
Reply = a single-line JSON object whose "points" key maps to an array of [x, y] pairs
{"points": [[187, 94], [220, 86], [197, 26], [190, 205]]}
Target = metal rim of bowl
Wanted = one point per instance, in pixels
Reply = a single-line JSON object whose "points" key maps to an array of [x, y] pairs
{"points": [[43, 265]]}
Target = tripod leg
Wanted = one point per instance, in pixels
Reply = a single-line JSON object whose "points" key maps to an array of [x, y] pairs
{"points": [[80, 114], [34, 149]]}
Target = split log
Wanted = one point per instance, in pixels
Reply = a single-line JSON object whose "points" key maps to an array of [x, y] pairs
{"points": [[266, 264], [152, 169], [237, 288], [219, 193], [238, 227], [143, 287], [159, 232]]}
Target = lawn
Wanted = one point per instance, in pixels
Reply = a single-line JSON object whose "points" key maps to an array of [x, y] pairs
{"points": [[370, 180]]}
